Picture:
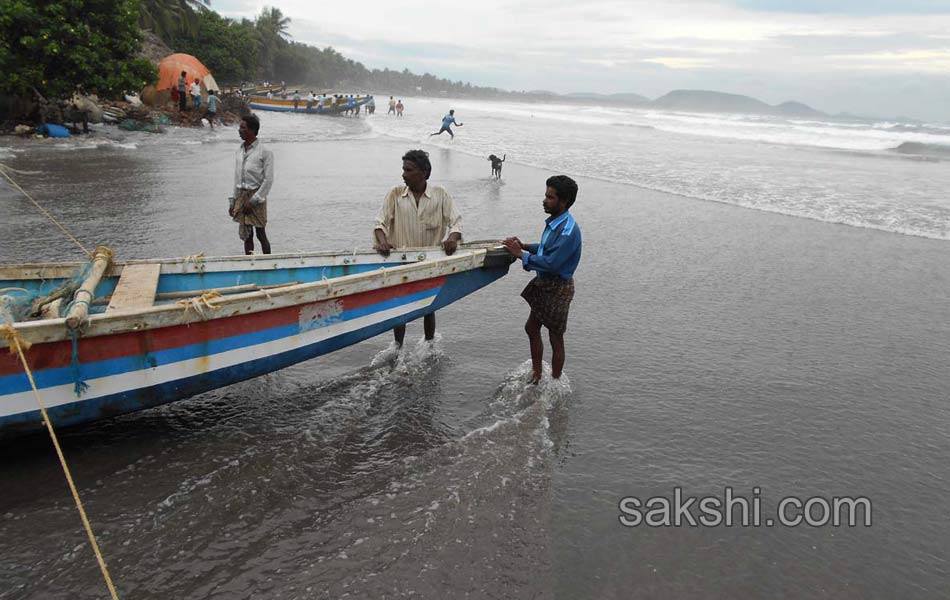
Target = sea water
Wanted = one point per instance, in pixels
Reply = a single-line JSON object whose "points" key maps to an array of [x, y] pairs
{"points": [[761, 305]]}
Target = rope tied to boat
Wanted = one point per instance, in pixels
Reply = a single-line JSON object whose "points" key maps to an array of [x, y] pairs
{"points": [[18, 345], [79, 386], [198, 260], [199, 303]]}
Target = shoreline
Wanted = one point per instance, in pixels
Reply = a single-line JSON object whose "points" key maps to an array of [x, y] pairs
{"points": [[708, 345]]}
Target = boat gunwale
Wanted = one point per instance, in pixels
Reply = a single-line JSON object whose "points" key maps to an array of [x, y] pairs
{"points": [[198, 264], [155, 316]]}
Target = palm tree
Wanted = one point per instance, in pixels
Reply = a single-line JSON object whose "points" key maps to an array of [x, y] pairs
{"points": [[168, 18], [273, 23], [271, 27]]}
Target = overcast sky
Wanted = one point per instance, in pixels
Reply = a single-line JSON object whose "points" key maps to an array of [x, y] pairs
{"points": [[874, 57]]}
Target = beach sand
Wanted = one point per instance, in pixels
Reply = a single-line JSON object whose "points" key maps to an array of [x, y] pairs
{"points": [[708, 346]]}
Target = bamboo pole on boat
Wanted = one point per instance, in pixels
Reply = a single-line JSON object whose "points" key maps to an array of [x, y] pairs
{"points": [[79, 308], [236, 289]]}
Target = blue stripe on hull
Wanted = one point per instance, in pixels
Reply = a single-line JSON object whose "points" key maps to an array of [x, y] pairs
{"points": [[12, 384], [84, 411]]}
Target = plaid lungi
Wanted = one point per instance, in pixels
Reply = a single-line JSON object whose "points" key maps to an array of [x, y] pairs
{"points": [[247, 215], [550, 300]]}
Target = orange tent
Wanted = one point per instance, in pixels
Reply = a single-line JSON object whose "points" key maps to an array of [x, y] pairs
{"points": [[170, 68]]}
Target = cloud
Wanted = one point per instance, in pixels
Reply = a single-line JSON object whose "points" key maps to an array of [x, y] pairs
{"points": [[825, 53], [849, 7]]}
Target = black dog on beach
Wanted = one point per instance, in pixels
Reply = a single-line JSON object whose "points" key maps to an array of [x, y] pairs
{"points": [[496, 165]]}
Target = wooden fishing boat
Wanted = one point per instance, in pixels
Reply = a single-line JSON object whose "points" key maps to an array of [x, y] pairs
{"points": [[159, 331], [328, 105]]}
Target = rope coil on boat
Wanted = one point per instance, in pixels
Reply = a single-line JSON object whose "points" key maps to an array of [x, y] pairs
{"points": [[199, 303]]}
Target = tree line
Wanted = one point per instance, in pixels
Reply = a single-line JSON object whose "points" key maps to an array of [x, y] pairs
{"points": [[56, 47], [261, 49]]}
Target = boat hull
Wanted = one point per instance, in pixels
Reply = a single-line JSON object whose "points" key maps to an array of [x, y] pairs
{"points": [[321, 107], [134, 370]]}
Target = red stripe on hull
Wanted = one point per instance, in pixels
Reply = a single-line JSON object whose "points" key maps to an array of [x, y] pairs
{"points": [[59, 354]]}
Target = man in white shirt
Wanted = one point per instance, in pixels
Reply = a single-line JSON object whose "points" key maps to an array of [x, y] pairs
{"points": [[253, 178], [417, 215], [196, 94]]}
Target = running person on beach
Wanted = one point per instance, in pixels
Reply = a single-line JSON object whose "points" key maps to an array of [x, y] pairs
{"points": [[447, 122], [555, 259], [253, 178]]}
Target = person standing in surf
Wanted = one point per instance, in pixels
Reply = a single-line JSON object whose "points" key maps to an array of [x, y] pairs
{"points": [[447, 122], [554, 260], [253, 178], [417, 215]]}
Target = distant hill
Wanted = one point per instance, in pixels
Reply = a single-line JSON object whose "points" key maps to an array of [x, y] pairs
{"points": [[707, 101], [685, 100], [628, 98], [797, 109]]}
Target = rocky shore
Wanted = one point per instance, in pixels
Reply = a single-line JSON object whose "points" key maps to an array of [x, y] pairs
{"points": [[132, 114]]}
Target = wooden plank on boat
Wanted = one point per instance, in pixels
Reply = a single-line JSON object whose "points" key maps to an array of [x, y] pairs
{"points": [[136, 287]]}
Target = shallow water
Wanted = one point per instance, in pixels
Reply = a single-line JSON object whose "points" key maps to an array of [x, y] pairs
{"points": [[709, 346]]}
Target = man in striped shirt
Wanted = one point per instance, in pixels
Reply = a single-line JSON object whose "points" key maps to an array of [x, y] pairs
{"points": [[417, 215]]}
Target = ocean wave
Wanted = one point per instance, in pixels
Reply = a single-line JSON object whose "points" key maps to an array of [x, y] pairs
{"points": [[633, 125], [922, 149], [911, 128]]}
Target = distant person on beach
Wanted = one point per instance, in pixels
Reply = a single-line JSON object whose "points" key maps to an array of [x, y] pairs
{"points": [[399, 108], [447, 122], [417, 215], [496, 165], [371, 106], [555, 259], [296, 99], [310, 98], [212, 113], [253, 178], [196, 94], [392, 106], [182, 92]]}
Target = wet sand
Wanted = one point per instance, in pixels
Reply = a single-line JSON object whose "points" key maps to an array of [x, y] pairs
{"points": [[708, 346]]}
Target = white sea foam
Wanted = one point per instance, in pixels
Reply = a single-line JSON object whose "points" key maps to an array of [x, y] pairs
{"points": [[850, 172]]}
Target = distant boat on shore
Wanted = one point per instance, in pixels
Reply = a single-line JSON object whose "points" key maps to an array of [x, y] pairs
{"points": [[323, 105]]}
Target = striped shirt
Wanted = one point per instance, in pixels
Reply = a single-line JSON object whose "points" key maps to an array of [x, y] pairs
{"points": [[408, 225]]}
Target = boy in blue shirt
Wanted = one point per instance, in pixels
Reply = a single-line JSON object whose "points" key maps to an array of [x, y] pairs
{"points": [[447, 122], [555, 259]]}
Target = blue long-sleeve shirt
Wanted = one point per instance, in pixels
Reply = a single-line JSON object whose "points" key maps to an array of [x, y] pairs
{"points": [[559, 251]]}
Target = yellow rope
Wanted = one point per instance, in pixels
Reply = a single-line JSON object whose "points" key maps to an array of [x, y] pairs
{"points": [[199, 303], [17, 346], [45, 212]]}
